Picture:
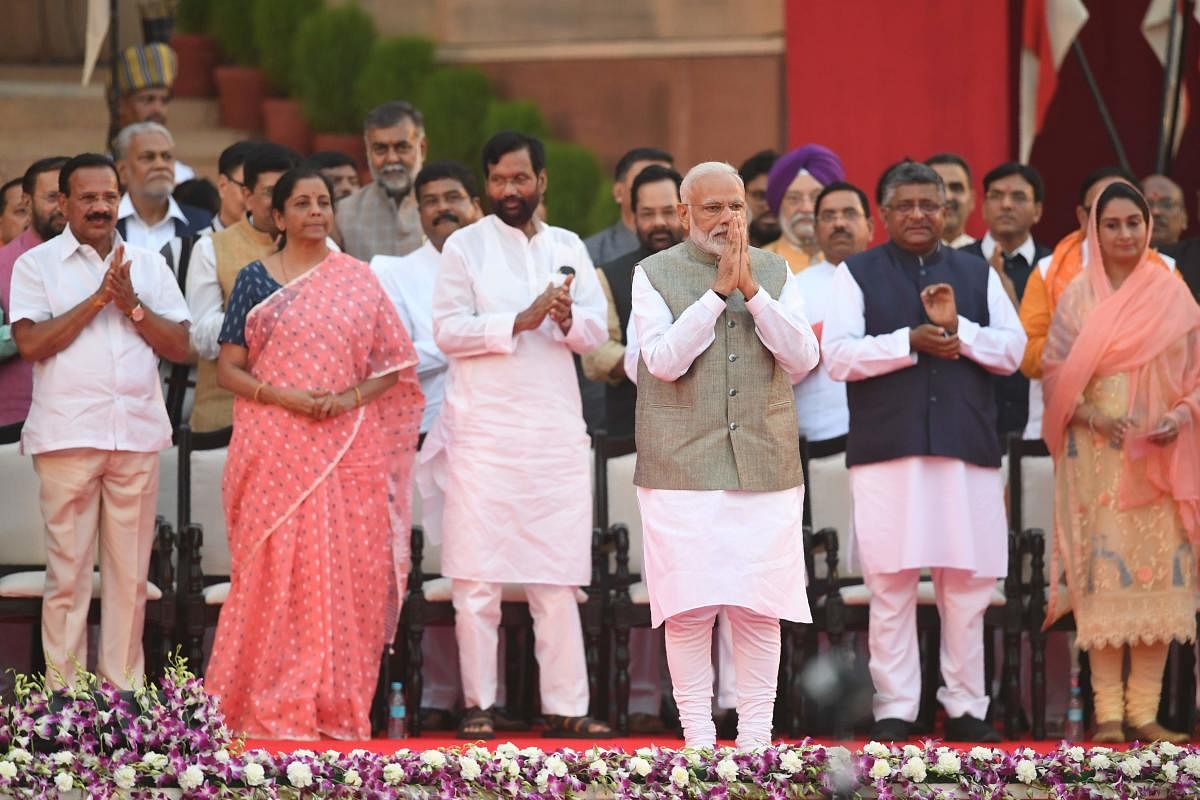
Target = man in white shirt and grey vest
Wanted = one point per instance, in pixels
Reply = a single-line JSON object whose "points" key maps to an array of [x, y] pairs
{"points": [[95, 315], [723, 338]]}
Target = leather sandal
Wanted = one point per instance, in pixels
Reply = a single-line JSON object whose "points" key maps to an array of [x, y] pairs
{"points": [[1109, 732], [1153, 732], [477, 723], [560, 727]]}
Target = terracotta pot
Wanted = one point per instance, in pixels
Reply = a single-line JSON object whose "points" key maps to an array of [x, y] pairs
{"points": [[283, 123], [240, 93], [351, 144], [197, 55]]}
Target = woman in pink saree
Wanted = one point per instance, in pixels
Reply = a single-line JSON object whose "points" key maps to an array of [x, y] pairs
{"points": [[316, 483], [1122, 388]]}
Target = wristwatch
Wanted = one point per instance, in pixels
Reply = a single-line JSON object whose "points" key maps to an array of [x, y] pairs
{"points": [[137, 313]]}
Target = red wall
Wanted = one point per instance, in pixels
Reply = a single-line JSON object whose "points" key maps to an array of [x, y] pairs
{"points": [[877, 80]]}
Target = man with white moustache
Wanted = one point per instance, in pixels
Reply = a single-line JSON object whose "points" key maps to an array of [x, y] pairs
{"points": [[795, 180], [723, 338], [381, 218]]}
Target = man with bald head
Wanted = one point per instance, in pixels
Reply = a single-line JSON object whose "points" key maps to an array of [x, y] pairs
{"points": [[793, 184], [722, 338]]}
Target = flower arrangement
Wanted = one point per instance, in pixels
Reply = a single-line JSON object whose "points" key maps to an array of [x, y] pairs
{"points": [[170, 741]]}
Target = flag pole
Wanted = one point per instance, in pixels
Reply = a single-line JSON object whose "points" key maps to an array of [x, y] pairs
{"points": [[1101, 106], [1179, 69], [1169, 72]]}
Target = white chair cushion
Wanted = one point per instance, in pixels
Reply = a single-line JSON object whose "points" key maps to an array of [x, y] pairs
{"points": [[22, 530], [623, 505], [829, 492], [437, 590], [209, 512], [859, 595], [639, 593], [216, 594], [33, 584]]}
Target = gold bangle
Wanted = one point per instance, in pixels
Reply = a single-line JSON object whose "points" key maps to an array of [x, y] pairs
{"points": [[1091, 419], [258, 389], [357, 397]]}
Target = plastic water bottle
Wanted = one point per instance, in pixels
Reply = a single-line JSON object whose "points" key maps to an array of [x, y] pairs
{"points": [[1073, 727], [397, 728]]}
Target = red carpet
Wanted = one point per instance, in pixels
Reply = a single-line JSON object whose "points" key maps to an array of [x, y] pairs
{"points": [[444, 739]]}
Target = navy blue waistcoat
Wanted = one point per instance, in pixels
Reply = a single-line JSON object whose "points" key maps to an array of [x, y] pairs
{"points": [[937, 407]]}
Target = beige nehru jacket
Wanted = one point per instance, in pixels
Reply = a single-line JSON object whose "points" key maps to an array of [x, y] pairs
{"points": [[729, 422]]}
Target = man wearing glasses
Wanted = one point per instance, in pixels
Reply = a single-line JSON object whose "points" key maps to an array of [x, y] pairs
{"points": [[917, 329], [381, 218], [215, 264], [1012, 205], [1170, 221]]}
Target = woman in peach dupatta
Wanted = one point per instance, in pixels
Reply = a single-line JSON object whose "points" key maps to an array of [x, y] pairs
{"points": [[1122, 381], [324, 431]]}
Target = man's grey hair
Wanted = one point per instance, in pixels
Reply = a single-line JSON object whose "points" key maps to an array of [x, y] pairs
{"points": [[125, 137], [907, 172], [391, 114], [703, 170]]}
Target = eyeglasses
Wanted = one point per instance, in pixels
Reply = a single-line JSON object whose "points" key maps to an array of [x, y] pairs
{"points": [[711, 210], [910, 207], [1162, 204], [831, 215]]}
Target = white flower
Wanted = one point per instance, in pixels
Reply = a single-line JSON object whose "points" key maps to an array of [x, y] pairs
{"points": [[1131, 767], [679, 776], [254, 774], [530, 752], [980, 753], [507, 750], [511, 769], [644, 752], [433, 758], [727, 770], [359, 752], [912, 751], [1149, 759], [881, 768], [19, 756], [840, 757], [299, 774], [557, 767], [394, 774], [331, 755], [125, 777], [222, 756], [8, 770], [599, 767], [303, 754], [640, 766], [1029, 752], [542, 779], [1026, 771], [62, 758], [1191, 765], [468, 768], [914, 769], [63, 781], [791, 761], [1075, 753], [352, 778], [693, 757], [155, 761], [948, 763], [1169, 750], [192, 777], [877, 750], [1170, 771], [1102, 749], [1100, 761]]}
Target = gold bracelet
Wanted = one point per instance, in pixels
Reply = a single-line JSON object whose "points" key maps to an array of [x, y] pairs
{"points": [[258, 389], [357, 397], [1091, 419]]}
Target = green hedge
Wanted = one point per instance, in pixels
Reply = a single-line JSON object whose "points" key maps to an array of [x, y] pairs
{"points": [[192, 16], [454, 102], [231, 24], [329, 52], [573, 179], [394, 70], [274, 24]]}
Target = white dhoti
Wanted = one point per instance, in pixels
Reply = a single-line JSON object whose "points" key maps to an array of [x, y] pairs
{"points": [[948, 516]]}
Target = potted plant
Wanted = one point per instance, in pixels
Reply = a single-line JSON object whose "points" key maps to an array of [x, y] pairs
{"points": [[275, 24], [454, 102], [394, 70], [329, 51], [241, 85], [195, 50]]}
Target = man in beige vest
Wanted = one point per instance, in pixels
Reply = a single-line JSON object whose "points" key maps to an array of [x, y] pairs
{"points": [[216, 262], [723, 337]]}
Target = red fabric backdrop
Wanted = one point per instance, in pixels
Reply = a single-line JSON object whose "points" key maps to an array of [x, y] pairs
{"points": [[877, 80]]}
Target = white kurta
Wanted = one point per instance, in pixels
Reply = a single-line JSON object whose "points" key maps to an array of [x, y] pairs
{"points": [[922, 511], [821, 410], [735, 548], [509, 450]]}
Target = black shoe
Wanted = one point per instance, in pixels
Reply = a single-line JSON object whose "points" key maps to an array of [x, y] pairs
{"points": [[891, 729], [970, 729]]}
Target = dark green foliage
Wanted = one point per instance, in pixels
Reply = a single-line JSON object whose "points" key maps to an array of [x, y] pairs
{"points": [[515, 115], [329, 52], [191, 16], [395, 69], [275, 23], [455, 102], [573, 179], [231, 24]]}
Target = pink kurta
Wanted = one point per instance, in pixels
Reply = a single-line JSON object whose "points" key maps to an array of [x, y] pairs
{"points": [[319, 552]]}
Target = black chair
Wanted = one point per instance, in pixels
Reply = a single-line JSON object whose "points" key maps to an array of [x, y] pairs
{"points": [[204, 560], [23, 565]]}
